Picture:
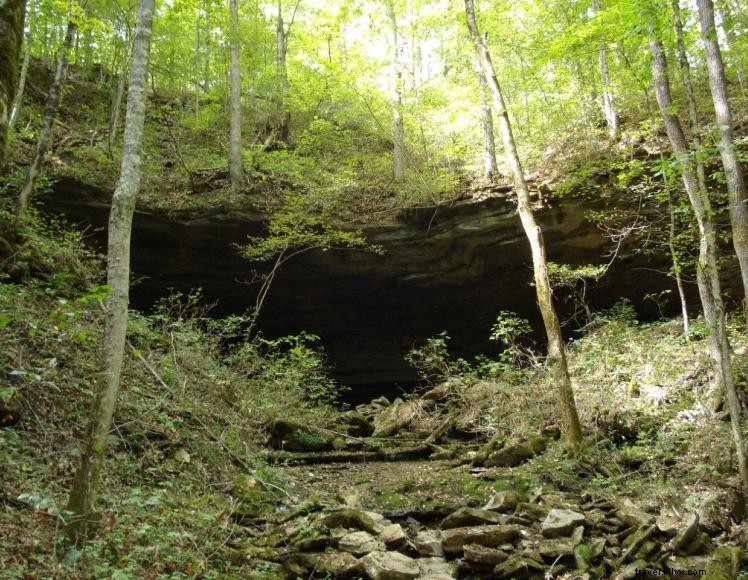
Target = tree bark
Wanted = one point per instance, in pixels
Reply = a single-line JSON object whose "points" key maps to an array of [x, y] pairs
{"points": [[12, 15], [398, 131], [606, 104], [85, 486], [21, 80], [707, 270], [281, 40], [50, 115], [235, 138], [736, 189], [556, 351], [490, 167]]}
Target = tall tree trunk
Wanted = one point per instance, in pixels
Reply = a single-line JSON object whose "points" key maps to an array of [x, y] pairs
{"points": [[117, 101], [50, 115], [490, 167], [707, 270], [235, 138], [281, 45], [556, 352], [398, 131], [731, 40], [21, 81], [736, 189], [606, 104], [693, 116], [12, 15], [85, 486]]}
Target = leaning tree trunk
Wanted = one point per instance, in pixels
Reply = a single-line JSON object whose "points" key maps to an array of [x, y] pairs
{"points": [[398, 131], [83, 494], [235, 137], [556, 352], [736, 189], [707, 270], [21, 80], [490, 167], [50, 115], [12, 14], [607, 106]]}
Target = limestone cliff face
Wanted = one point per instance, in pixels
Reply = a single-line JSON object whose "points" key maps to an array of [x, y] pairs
{"points": [[451, 268]]}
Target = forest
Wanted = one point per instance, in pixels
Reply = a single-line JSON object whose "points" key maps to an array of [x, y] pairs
{"points": [[385, 289]]}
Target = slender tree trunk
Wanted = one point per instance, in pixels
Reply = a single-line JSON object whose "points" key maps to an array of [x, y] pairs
{"points": [[50, 115], [732, 40], [398, 131], [606, 104], [12, 15], [677, 267], [117, 101], [85, 486], [21, 80], [281, 40], [707, 270], [556, 351], [736, 189], [490, 167], [235, 138]]}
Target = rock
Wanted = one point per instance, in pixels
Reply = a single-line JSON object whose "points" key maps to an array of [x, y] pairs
{"points": [[668, 523], [686, 533], [518, 566], [586, 554], [632, 515], [313, 544], [350, 497], [338, 564], [697, 545], [360, 543], [396, 417], [634, 542], [503, 501], [510, 456], [355, 424], [181, 455], [253, 501], [561, 522], [436, 569], [483, 555], [381, 565], [634, 570], [467, 516], [495, 443], [491, 536], [352, 518], [393, 536], [537, 444], [556, 547], [429, 543], [285, 434]]}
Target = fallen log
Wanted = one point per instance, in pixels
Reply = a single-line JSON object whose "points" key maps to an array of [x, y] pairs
{"points": [[388, 455]]}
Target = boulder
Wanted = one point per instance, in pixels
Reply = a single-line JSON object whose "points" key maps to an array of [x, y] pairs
{"points": [[634, 570], [429, 543], [633, 542], [381, 565], [393, 536], [360, 543], [519, 566], [509, 456], [491, 536], [561, 522], [395, 417], [503, 501], [291, 436], [686, 533], [436, 569], [556, 547], [482, 555], [467, 516], [337, 564], [352, 518], [632, 515]]}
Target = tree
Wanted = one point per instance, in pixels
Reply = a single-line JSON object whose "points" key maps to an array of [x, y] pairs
{"points": [[556, 350], [49, 117], [235, 139], [606, 103], [12, 15], [490, 167], [707, 271], [398, 132], [736, 189], [282, 34], [85, 486], [21, 80]]}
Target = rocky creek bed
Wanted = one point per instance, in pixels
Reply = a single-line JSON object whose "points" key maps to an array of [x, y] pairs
{"points": [[384, 498]]}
